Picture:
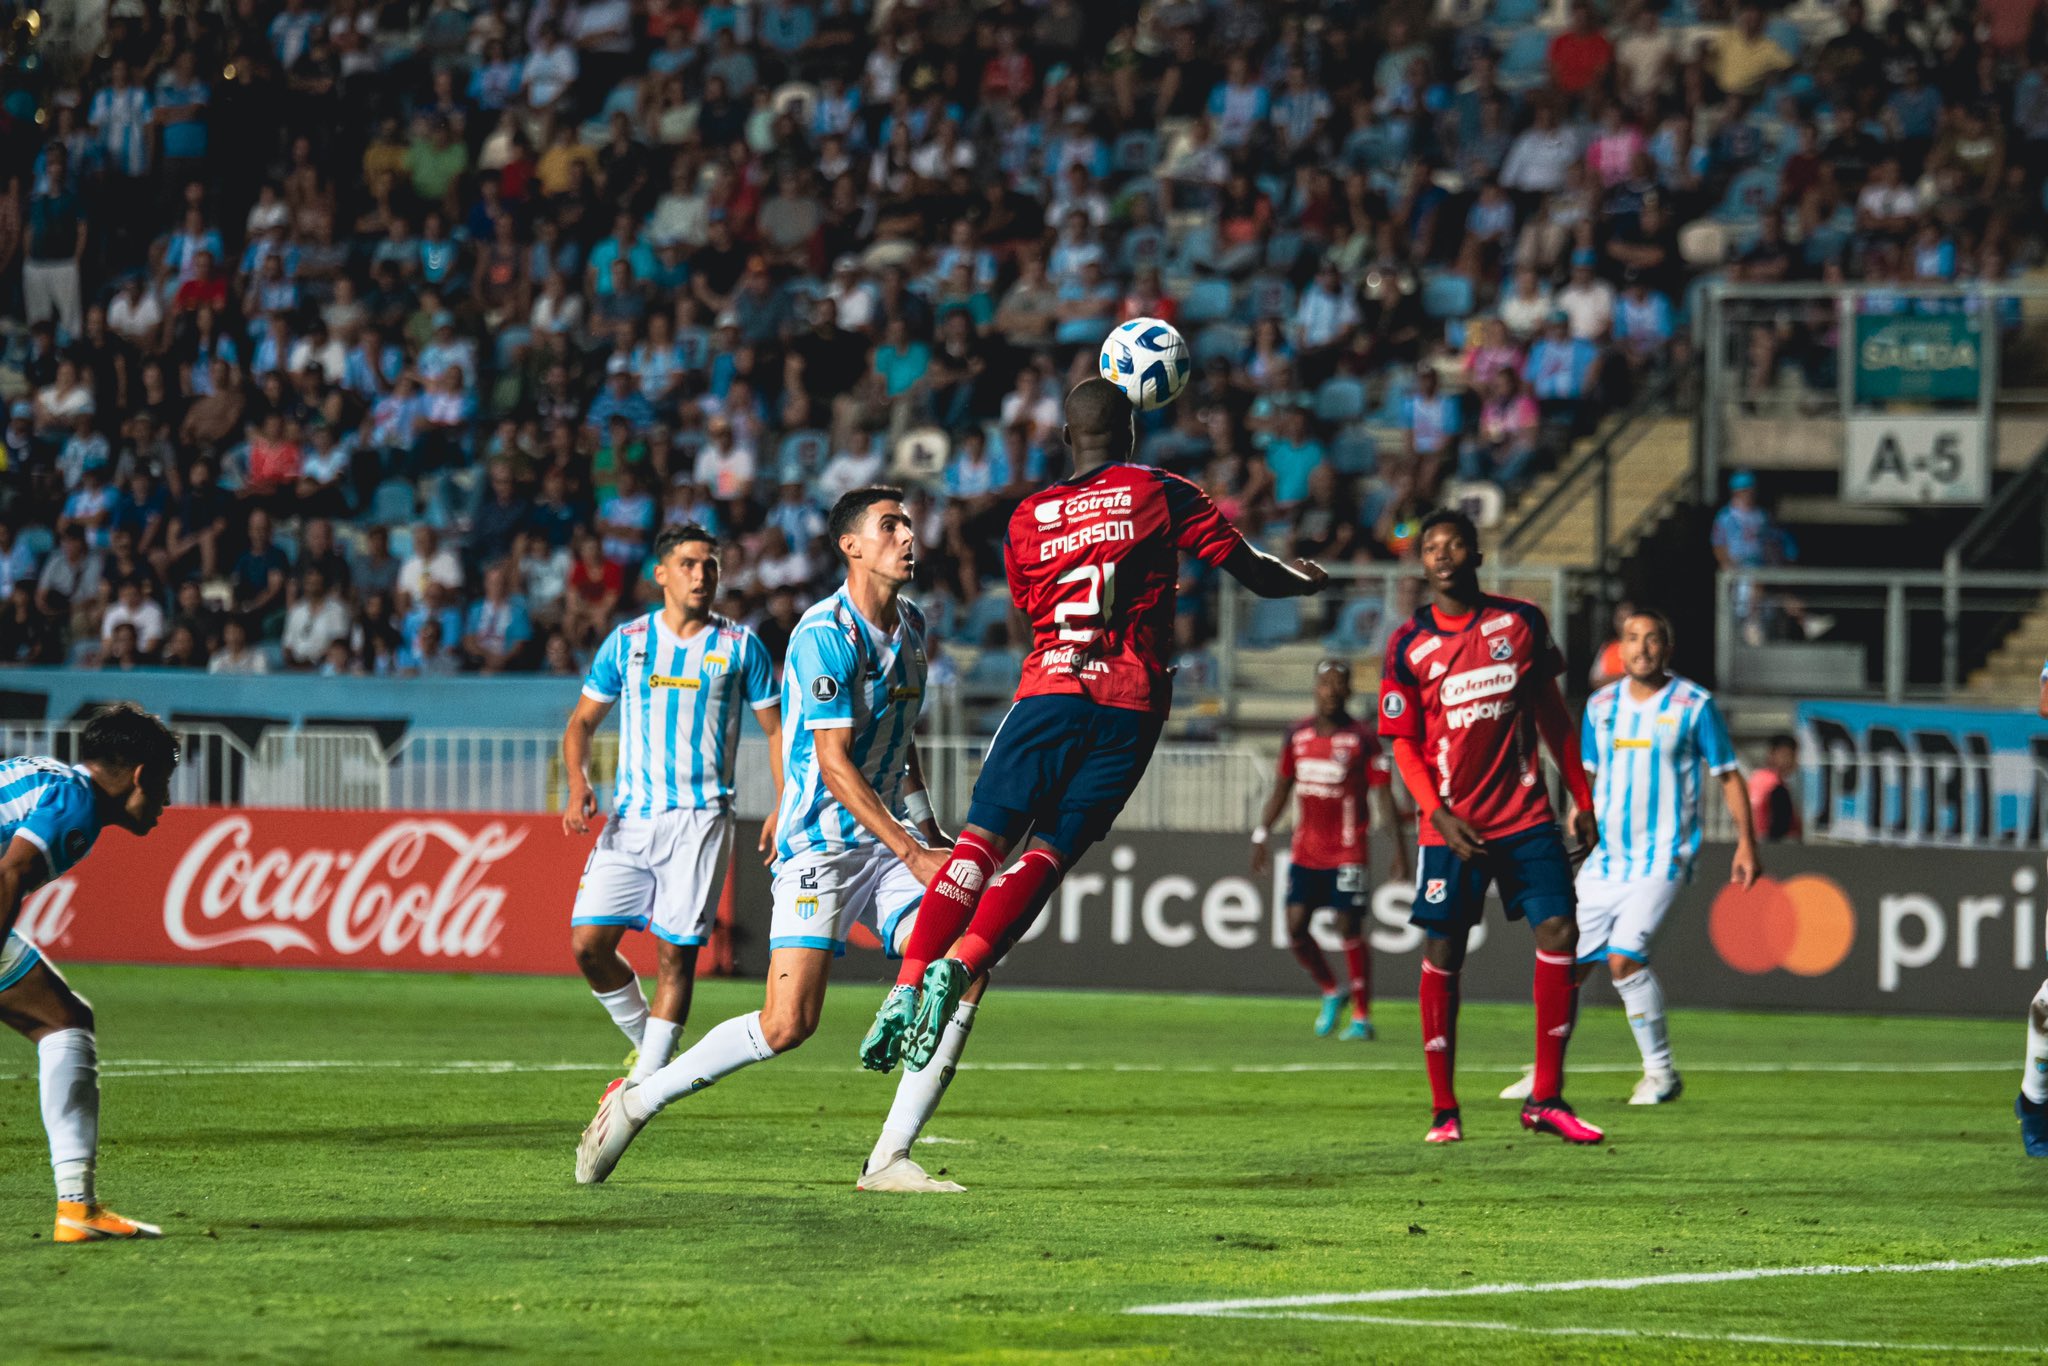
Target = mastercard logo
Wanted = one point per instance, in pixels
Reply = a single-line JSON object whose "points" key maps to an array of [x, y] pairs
{"points": [[1803, 925]]}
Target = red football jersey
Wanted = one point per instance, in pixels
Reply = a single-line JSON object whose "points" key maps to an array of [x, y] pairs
{"points": [[1467, 697], [1093, 561], [1332, 775]]}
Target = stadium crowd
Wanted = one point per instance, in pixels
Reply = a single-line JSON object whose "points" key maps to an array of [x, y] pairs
{"points": [[382, 337]]}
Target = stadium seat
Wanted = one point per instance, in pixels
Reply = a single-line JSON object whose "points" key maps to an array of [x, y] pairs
{"points": [[1283, 251], [1360, 627], [1447, 296], [694, 344], [1341, 399], [1142, 247], [287, 542], [1272, 621], [395, 501], [1749, 195], [401, 541], [990, 609], [1207, 301], [1194, 251], [1787, 35], [1516, 13], [1526, 62], [1137, 153], [37, 541], [801, 455], [1224, 341], [1267, 296], [1355, 451]]}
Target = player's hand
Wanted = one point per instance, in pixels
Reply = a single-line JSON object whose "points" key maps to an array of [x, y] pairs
{"points": [[935, 837], [1262, 857], [765, 846], [581, 809], [924, 864], [1746, 867], [1459, 837], [1317, 576], [1586, 830]]}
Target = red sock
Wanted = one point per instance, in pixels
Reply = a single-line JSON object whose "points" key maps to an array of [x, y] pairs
{"points": [[947, 904], [1309, 954], [1358, 958], [1557, 1002], [1018, 893], [1440, 1033]]}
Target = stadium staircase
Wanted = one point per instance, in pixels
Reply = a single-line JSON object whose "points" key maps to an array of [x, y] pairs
{"points": [[2010, 678], [1649, 465]]}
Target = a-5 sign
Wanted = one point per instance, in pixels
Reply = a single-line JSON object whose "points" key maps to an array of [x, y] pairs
{"points": [[1919, 459]]}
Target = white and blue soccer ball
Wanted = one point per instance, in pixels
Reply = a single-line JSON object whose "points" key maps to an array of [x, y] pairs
{"points": [[1147, 358]]}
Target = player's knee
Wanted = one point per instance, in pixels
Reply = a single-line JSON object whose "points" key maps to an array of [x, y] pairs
{"points": [[2037, 1013], [1623, 967], [76, 1014], [1557, 934], [787, 1029], [592, 955]]}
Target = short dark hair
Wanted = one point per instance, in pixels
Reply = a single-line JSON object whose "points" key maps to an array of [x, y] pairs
{"points": [[1098, 408], [1781, 741], [123, 735], [680, 533], [853, 505], [1450, 517]]}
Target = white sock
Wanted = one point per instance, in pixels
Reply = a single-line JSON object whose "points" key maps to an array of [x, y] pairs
{"points": [[731, 1045], [71, 1109], [2034, 1084], [919, 1093], [628, 1009], [657, 1046], [1643, 997]]}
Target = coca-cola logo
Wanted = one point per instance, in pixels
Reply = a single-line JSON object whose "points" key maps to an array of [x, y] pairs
{"points": [[387, 897], [46, 913]]}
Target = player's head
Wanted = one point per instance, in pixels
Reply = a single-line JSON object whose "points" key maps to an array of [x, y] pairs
{"points": [[873, 534], [1448, 546], [1781, 752], [1101, 424], [1333, 687], [686, 567], [1646, 644], [131, 755]]}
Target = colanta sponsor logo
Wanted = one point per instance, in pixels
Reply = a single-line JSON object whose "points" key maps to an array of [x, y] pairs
{"points": [[1476, 683]]}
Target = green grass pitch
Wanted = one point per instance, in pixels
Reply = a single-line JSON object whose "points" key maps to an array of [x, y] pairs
{"points": [[400, 1196]]}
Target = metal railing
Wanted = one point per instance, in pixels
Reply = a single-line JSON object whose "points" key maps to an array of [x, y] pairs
{"points": [[1896, 633], [1352, 619], [1595, 465]]}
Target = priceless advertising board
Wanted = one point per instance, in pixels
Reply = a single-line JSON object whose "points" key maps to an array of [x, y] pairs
{"points": [[1831, 928]]}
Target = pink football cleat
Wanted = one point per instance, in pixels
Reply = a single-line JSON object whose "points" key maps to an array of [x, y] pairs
{"points": [[1445, 1129], [1556, 1117]]}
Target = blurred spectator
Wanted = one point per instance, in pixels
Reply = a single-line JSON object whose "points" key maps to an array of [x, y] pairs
{"points": [[1773, 800], [236, 655], [317, 620]]}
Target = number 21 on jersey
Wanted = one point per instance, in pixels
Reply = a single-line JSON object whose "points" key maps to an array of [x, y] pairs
{"points": [[1096, 600]]}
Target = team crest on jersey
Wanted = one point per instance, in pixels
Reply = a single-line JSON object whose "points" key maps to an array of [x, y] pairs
{"points": [[1434, 891], [824, 687], [1502, 648], [717, 664], [1393, 706], [806, 907]]}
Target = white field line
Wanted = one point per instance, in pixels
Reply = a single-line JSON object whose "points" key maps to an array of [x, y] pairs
{"points": [[1676, 1334], [170, 1067], [1208, 1308]]}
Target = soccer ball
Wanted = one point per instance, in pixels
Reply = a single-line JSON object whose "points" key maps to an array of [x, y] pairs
{"points": [[1148, 360]]}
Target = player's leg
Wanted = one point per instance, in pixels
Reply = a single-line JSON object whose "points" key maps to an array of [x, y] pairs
{"points": [[615, 894], [1536, 885], [1450, 896], [1302, 900], [39, 1004], [1599, 900], [689, 877], [2031, 1105], [1644, 904], [1357, 954]]}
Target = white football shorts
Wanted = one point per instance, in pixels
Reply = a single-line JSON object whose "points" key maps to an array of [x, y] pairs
{"points": [[820, 897], [662, 873], [1621, 917], [17, 958]]}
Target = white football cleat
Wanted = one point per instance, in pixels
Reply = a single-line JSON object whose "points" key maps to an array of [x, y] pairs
{"points": [[607, 1136], [1520, 1090], [1657, 1088], [901, 1174]]}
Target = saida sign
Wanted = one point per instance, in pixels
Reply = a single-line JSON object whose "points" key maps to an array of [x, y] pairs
{"points": [[1937, 357]]}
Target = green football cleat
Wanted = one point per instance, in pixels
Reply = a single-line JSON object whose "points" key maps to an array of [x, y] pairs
{"points": [[945, 982], [1358, 1031], [632, 1060], [884, 1043], [1326, 1018]]}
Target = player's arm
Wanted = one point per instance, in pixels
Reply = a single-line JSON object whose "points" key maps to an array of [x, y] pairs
{"points": [[917, 802], [1403, 868], [850, 788], [600, 691], [1202, 531], [23, 868], [1561, 738], [1269, 577], [758, 673], [1283, 788], [1718, 751]]}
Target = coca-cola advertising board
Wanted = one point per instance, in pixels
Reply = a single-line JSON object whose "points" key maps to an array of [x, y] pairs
{"points": [[440, 891]]}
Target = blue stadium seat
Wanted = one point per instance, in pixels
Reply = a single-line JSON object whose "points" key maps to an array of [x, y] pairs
{"points": [[1360, 627], [1787, 35], [1195, 251], [1515, 13], [395, 502], [1447, 296], [1267, 296], [1142, 247], [801, 454], [1226, 341], [1527, 59], [1355, 452], [38, 541], [1750, 195], [1137, 153], [1272, 621], [1283, 252], [1208, 301], [990, 609], [1341, 399], [695, 345], [401, 541]]}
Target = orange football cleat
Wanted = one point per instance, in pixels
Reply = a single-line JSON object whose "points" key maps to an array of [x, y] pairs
{"points": [[77, 1223]]}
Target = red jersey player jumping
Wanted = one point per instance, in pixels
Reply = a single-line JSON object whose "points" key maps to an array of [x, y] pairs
{"points": [[1469, 684], [1093, 561], [1335, 763]]}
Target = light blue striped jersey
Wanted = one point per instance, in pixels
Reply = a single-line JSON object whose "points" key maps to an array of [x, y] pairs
{"points": [[1648, 759], [679, 718], [50, 804], [844, 673]]}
